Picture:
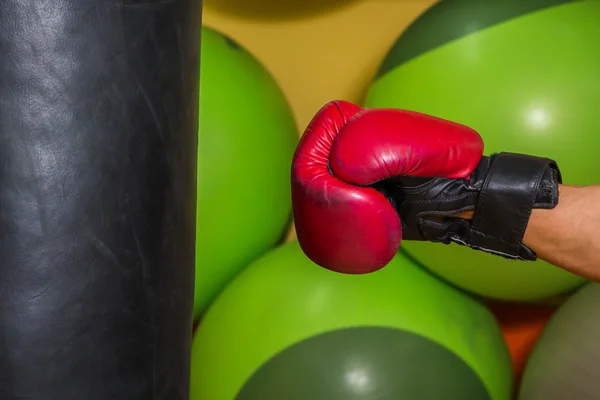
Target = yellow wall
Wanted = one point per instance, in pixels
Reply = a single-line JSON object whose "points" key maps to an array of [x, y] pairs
{"points": [[331, 52], [317, 50]]}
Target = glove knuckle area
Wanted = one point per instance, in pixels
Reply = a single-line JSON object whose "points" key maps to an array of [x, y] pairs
{"points": [[378, 144], [370, 148]]}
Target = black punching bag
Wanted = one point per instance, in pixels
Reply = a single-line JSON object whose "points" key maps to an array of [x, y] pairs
{"points": [[98, 147]]}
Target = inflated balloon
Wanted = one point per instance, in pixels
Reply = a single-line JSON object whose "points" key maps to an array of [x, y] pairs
{"points": [[564, 362], [288, 329], [247, 137], [524, 74]]}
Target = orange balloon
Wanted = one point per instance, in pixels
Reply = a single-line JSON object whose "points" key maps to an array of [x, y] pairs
{"points": [[522, 326]]}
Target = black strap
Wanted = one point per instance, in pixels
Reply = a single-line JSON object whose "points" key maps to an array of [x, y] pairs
{"points": [[505, 202]]}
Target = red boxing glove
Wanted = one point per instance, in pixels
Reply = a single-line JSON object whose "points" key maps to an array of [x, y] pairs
{"points": [[342, 223]]}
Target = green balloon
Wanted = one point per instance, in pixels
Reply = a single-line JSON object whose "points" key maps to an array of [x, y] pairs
{"points": [[525, 76], [285, 325], [564, 361], [247, 138]]}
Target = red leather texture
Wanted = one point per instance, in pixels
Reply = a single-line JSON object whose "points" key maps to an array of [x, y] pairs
{"points": [[342, 223]]}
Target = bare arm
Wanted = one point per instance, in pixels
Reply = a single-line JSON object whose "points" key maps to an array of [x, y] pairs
{"points": [[568, 235]]}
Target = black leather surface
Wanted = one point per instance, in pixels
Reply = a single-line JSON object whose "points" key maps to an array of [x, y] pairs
{"points": [[502, 191], [98, 136], [512, 185]]}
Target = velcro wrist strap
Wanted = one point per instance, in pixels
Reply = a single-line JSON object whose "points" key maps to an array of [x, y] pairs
{"points": [[509, 193]]}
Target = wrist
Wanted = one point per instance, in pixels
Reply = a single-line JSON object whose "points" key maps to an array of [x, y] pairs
{"points": [[468, 215]]}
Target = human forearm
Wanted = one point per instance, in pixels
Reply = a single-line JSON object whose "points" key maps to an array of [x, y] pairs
{"points": [[567, 235]]}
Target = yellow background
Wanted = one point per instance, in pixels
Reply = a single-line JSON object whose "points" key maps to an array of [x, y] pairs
{"points": [[317, 50]]}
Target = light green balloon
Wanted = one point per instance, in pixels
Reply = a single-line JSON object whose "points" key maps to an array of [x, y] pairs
{"points": [[527, 85], [247, 137], [283, 298]]}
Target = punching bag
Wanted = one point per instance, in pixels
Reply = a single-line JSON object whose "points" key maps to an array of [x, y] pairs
{"points": [[98, 144]]}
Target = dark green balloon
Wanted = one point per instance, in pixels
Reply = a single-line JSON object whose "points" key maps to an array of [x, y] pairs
{"points": [[454, 19], [524, 74], [564, 361], [301, 327], [365, 363]]}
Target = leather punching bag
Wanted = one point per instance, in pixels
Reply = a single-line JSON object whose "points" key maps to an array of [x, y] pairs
{"points": [[98, 147]]}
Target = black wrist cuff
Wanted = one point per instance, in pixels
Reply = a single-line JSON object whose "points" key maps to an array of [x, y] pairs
{"points": [[513, 186]]}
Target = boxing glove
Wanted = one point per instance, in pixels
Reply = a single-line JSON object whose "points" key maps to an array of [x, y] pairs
{"points": [[365, 179]]}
